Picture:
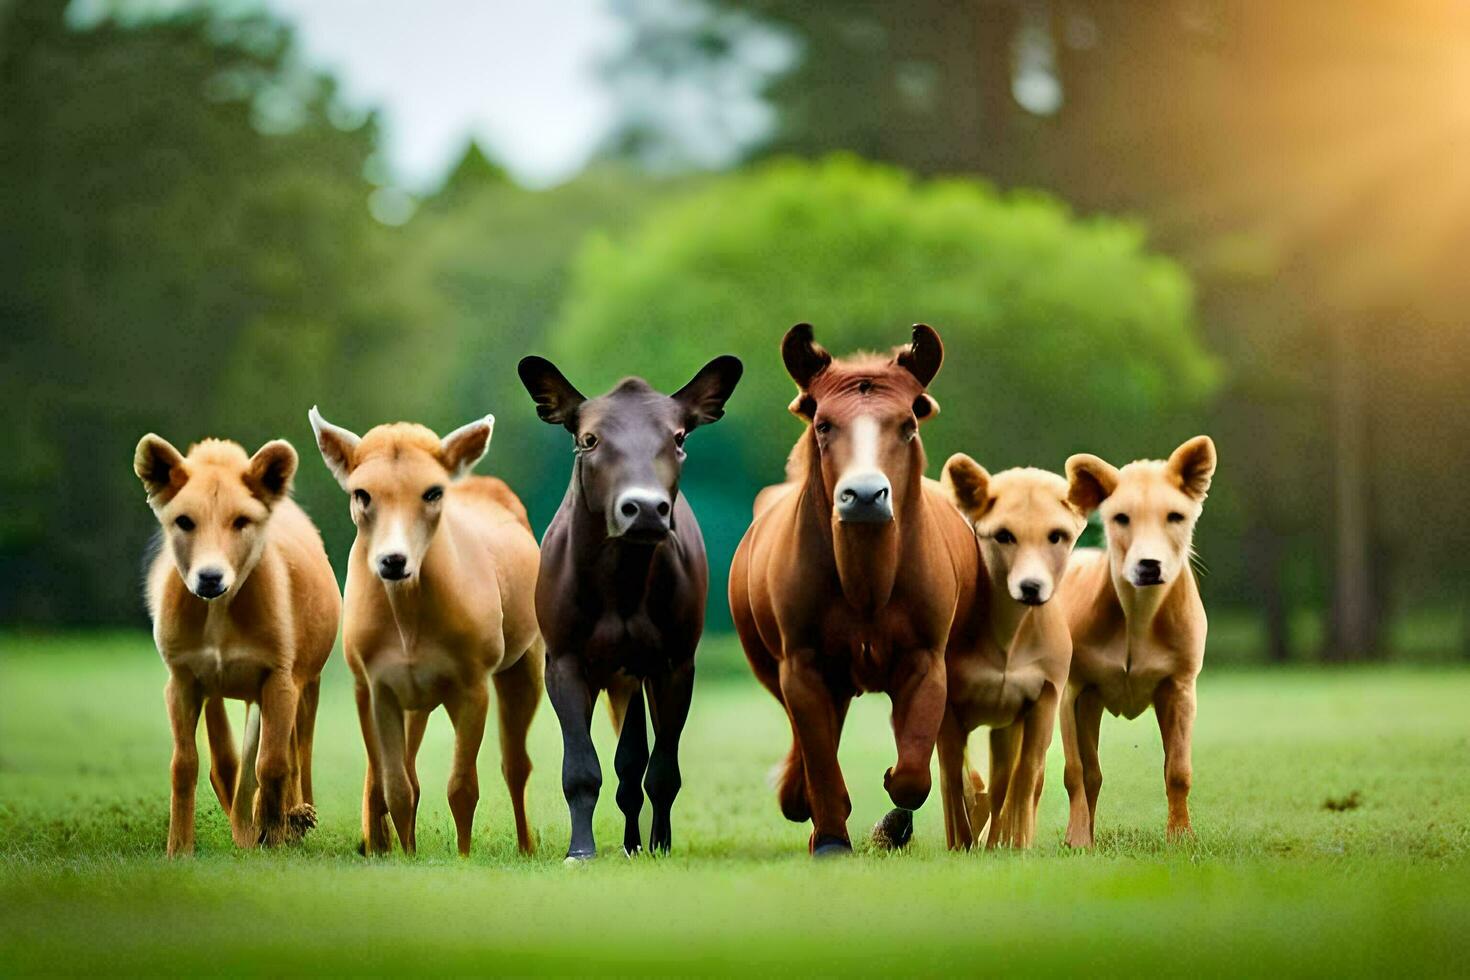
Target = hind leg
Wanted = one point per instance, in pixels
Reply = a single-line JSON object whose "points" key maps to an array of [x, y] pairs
{"points": [[224, 764], [518, 695], [417, 724], [468, 710], [242, 809], [1005, 743], [958, 835]]}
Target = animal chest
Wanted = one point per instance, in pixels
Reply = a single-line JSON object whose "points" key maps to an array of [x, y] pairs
{"points": [[994, 688], [225, 668], [421, 674], [1126, 672]]}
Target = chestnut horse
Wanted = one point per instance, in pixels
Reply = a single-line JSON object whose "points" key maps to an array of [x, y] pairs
{"points": [[856, 575]]}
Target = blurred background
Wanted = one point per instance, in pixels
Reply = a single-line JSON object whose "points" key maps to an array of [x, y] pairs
{"points": [[1130, 223]]}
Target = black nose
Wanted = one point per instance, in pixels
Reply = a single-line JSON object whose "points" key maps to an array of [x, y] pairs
{"points": [[1150, 571], [1030, 591], [393, 567], [209, 584]]}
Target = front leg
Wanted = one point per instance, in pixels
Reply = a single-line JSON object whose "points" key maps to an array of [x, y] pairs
{"points": [[388, 725], [1174, 704], [918, 710], [631, 759], [669, 701], [572, 698], [1019, 818], [274, 761], [184, 703], [817, 720], [1081, 711]]}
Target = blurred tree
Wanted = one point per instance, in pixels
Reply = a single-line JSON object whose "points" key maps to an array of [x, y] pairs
{"points": [[1306, 160], [1061, 335], [186, 250]]}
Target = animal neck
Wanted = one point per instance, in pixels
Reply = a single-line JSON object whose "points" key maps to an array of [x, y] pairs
{"points": [[1142, 607], [623, 567], [1006, 614]]}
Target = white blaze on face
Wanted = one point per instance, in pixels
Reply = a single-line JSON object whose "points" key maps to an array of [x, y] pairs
{"points": [[393, 540], [864, 447]]}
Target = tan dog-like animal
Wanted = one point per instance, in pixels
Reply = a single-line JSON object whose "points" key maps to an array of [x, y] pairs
{"points": [[244, 605], [1026, 529], [1138, 625], [441, 588]]}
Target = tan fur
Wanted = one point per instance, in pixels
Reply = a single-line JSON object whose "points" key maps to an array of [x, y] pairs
{"points": [[464, 612], [263, 641], [1026, 529], [1135, 645]]}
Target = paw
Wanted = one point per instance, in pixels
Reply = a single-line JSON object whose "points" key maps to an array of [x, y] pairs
{"points": [[299, 820], [895, 830]]}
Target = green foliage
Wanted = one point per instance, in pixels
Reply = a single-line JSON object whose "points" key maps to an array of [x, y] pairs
{"points": [[1276, 882], [1061, 334], [187, 251]]}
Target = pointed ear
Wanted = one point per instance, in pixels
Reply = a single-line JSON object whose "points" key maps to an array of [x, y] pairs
{"points": [[1090, 481], [968, 485], [705, 395], [337, 446], [803, 356], [1193, 465], [923, 355], [465, 446], [271, 470], [557, 400], [160, 466]]}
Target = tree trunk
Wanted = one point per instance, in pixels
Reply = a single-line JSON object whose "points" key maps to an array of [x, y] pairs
{"points": [[1353, 632]]}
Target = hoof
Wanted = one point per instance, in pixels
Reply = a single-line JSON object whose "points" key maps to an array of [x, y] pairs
{"points": [[895, 830], [634, 851], [826, 846], [300, 820], [579, 857]]}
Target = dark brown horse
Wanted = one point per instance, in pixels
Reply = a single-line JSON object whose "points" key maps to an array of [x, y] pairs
{"points": [[856, 575], [623, 584]]}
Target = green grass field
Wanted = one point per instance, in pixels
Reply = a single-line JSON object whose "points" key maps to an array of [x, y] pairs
{"points": [[1275, 883]]}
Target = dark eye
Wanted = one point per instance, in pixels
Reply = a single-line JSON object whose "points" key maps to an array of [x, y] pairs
{"points": [[433, 494], [586, 441], [909, 430], [241, 523], [1004, 537], [679, 439], [1120, 519], [1175, 517], [184, 523], [363, 498], [1058, 537], [823, 428]]}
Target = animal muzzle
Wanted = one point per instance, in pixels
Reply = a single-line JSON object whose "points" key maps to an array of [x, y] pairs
{"points": [[1031, 591], [864, 498], [393, 567], [640, 515], [209, 583], [1147, 572]]}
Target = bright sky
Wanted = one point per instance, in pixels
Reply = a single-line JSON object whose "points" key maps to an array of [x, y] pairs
{"points": [[520, 76]]}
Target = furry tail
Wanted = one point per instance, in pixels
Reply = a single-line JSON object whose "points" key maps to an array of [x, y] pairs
{"points": [[789, 778]]}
